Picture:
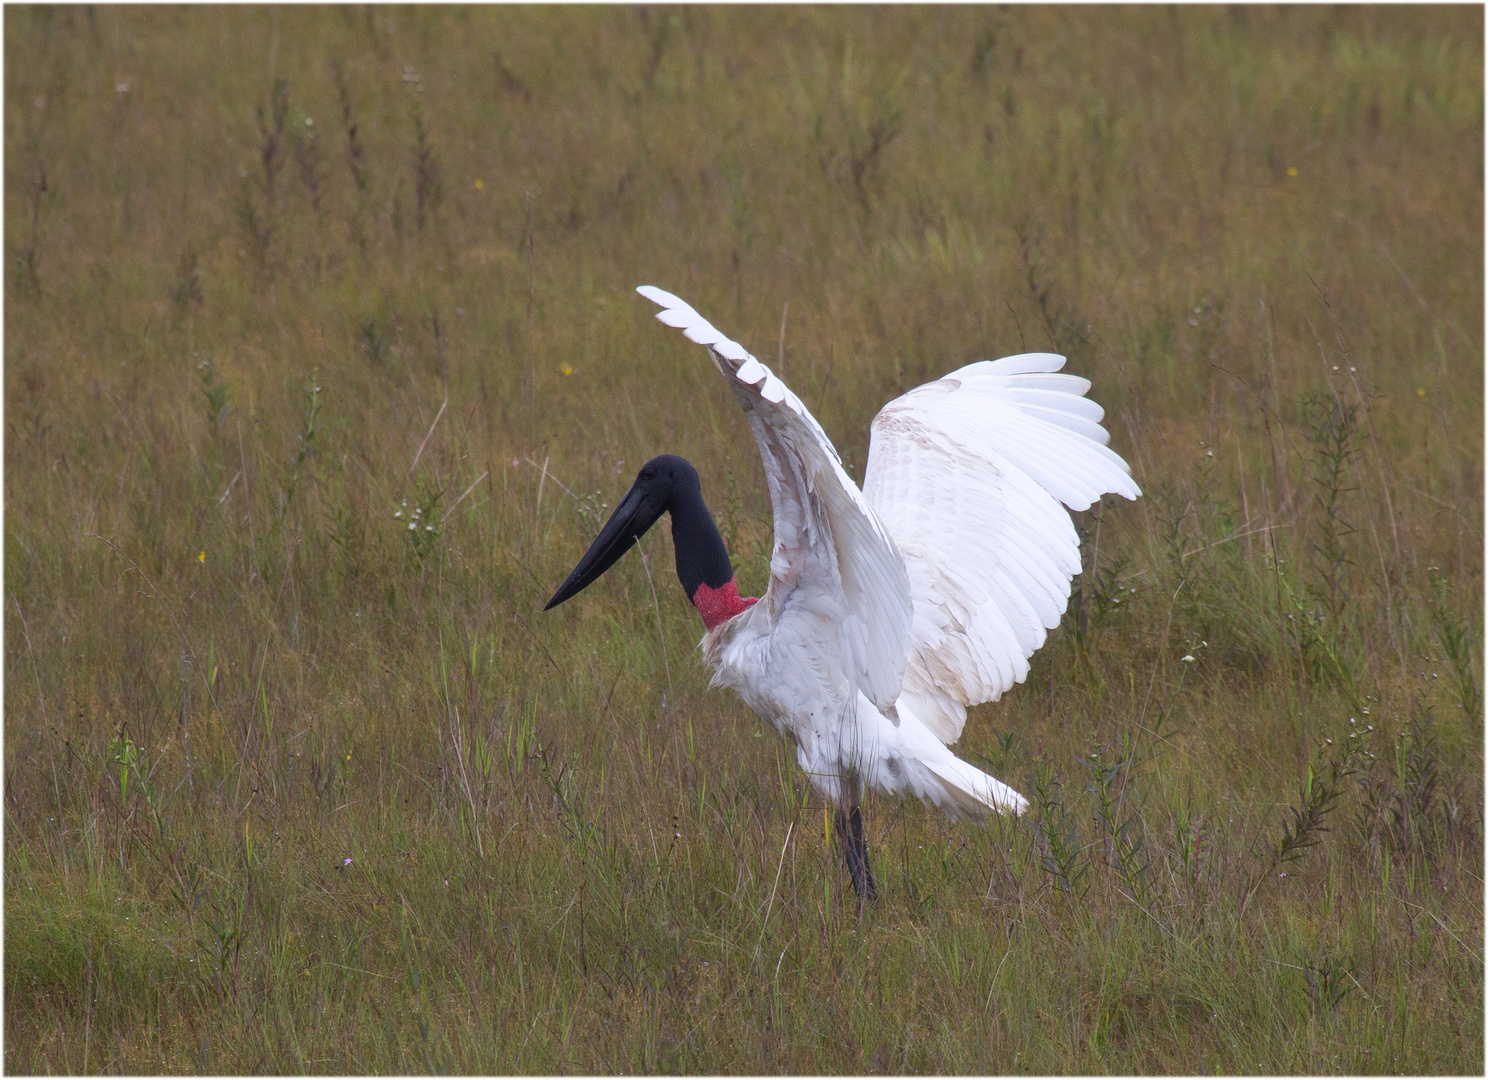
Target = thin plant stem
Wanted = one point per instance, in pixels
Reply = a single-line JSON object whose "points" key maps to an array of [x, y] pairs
{"points": [[656, 607]]}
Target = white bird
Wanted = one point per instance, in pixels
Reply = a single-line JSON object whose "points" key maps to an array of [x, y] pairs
{"points": [[892, 608]]}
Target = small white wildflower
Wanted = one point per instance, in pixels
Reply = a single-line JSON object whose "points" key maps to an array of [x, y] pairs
{"points": [[413, 526], [1188, 658], [346, 861], [397, 513]]}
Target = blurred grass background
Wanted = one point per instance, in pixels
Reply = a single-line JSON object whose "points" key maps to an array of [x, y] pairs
{"points": [[292, 787]]}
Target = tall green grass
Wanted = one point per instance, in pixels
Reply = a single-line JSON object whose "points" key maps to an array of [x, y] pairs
{"points": [[323, 366]]}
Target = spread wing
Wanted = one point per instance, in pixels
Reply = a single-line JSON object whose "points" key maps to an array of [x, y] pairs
{"points": [[833, 561], [968, 473]]}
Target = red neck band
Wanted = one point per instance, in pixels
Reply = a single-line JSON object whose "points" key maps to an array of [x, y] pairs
{"points": [[720, 604]]}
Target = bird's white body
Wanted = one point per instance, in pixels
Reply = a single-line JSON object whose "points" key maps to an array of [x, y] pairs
{"points": [[893, 608]]}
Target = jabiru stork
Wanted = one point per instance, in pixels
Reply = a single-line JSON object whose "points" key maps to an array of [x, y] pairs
{"points": [[892, 608]]}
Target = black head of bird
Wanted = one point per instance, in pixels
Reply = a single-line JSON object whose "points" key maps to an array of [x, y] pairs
{"points": [[665, 484]]}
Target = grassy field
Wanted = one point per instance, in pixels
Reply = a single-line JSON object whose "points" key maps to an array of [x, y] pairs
{"points": [[291, 787]]}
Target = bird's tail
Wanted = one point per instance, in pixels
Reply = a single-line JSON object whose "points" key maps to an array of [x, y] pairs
{"points": [[896, 754], [969, 792], [926, 766]]}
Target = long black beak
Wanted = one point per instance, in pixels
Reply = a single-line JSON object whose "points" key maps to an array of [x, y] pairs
{"points": [[641, 508]]}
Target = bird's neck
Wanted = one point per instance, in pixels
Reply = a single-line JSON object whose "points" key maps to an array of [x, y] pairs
{"points": [[702, 561]]}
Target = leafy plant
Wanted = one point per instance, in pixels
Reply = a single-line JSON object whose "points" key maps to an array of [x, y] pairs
{"points": [[1323, 782], [1331, 426], [1118, 815], [1456, 638], [1061, 854], [1329, 981], [374, 338], [215, 392], [311, 427], [422, 522]]}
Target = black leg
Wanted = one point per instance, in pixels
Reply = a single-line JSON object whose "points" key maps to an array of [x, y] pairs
{"points": [[855, 851]]}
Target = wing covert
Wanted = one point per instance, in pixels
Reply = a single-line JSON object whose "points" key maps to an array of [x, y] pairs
{"points": [[968, 474]]}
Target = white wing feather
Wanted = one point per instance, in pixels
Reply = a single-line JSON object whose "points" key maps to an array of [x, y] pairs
{"points": [[829, 543], [968, 474]]}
